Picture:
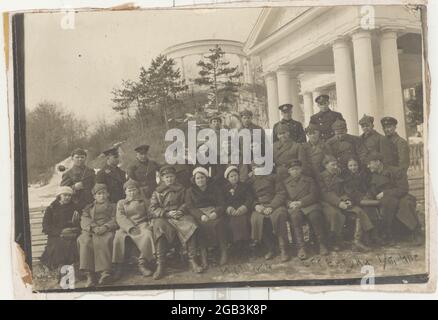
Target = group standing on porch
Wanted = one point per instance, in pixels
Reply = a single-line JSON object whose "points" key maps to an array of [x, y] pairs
{"points": [[323, 176]]}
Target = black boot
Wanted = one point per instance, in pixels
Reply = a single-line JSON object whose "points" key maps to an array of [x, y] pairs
{"points": [[204, 258], [117, 272], [297, 225], [161, 259], [191, 251], [358, 244], [269, 245], [316, 222], [284, 256], [224, 253]]}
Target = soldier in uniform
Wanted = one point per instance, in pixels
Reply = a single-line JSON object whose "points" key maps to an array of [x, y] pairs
{"points": [[315, 150], [343, 146], [302, 201], [246, 118], [286, 149], [400, 155], [80, 178], [295, 128], [144, 171], [269, 215], [390, 186], [372, 141], [112, 176], [336, 205], [325, 117]]}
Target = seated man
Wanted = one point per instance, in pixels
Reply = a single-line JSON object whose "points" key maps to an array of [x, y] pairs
{"points": [[269, 201], [390, 186], [302, 201], [98, 223], [132, 218], [336, 205], [315, 150]]}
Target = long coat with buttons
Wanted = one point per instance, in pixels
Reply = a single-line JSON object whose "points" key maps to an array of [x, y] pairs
{"points": [[167, 198], [401, 153], [396, 199], [130, 214], [114, 179], [145, 173], [86, 175], [303, 189], [95, 251], [374, 142], [344, 148], [324, 121], [269, 192], [296, 130], [236, 196], [284, 152], [315, 154]]}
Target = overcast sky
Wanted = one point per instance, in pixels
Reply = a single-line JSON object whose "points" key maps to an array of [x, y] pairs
{"points": [[77, 68]]}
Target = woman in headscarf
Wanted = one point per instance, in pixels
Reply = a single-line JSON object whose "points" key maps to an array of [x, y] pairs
{"points": [[61, 224], [204, 202]]}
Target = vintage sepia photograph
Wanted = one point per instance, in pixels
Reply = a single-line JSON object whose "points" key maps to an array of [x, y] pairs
{"points": [[244, 146]]}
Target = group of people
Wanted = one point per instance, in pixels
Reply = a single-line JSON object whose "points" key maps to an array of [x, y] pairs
{"points": [[323, 177]]}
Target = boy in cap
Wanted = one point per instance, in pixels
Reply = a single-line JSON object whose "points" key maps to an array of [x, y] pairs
{"points": [[80, 178], [170, 220], [269, 215], [315, 149], [95, 243], [390, 186], [302, 201], [112, 176], [144, 171], [400, 155], [296, 130], [325, 117], [343, 145], [285, 149], [336, 205]]}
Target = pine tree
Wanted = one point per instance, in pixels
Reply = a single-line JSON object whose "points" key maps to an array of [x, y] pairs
{"points": [[221, 79]]}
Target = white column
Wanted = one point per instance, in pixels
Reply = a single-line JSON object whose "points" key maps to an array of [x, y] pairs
{"points": [[308, 107], [272, 95], [364, 71], [315, 94], [183, 73], [392, 89], [288, 92], [345, 96], [298, 113]]}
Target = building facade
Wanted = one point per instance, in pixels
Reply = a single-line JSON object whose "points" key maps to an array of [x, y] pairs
{"points": [[365, 57]]}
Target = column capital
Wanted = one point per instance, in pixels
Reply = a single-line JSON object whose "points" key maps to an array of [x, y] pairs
{"points": [[269, 76], [284, 71], [340, 42], [390, 32], [361, 34]]}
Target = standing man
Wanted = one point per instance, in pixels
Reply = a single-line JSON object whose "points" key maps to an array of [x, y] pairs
{"points": [[343, 146], [372, 141], [246, 118], [80, 178], [295, 128], [286, 149], [325, 118], [400, 155], [112, 176], [144, 171]]}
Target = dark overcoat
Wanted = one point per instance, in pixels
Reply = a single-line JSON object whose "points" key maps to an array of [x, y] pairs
{"points": [[86, 175], [145, 173], [296, 130], [324, 121], [114, 178]]}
